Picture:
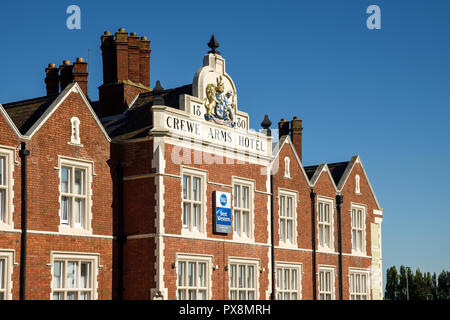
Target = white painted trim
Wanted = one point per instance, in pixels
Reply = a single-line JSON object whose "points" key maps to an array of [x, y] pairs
{"points": [[89, 167], [94, 258], [292, 265], [365, 271], [331, 268], [73, 87], [159, 164], [363, 207], [323, 168], [251, 183], [278, 147], [293, 194], [8, 255], [54, 233], [9, 154], [11, 123], [330, 201], [203, 175], [249, 261], [348, 170], [191, 257]]}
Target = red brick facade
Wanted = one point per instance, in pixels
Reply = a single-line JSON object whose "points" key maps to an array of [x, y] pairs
{"points": [[134, 231]]}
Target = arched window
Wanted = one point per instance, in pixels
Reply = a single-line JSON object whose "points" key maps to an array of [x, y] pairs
{"points": [[287, 167], [357, 185], [75, 136]]}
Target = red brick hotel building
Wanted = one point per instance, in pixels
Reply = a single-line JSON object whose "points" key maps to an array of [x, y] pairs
{"points": [[167, 194]]}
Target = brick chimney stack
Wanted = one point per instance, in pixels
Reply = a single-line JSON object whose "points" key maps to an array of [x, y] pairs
{"points": [[52, 79], [296, 135], [283, 128], [65, 74], [126, 71], [80, 74], [144, 61]]}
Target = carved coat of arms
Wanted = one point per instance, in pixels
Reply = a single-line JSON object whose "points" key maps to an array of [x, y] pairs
{"points": [[220, 105]]}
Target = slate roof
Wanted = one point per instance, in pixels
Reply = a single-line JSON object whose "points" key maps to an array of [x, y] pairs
{"points": [[310, 171], [26, 112], [137, 121], [336, 169]]}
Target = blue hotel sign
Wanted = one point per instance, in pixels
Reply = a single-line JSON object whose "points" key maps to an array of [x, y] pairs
{"points": [[222, 206]]}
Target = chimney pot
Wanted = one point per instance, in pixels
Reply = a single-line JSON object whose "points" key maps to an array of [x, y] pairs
{"points": [[122, 30], [52, 79], [66, 62], [107, 33], [80, 74], [296, 135]]}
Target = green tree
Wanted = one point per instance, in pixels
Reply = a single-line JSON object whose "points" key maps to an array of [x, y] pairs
{"points": [[429, 286], [444, 285], [419, 287], [392, 284], [402, 284], [434, 287]]}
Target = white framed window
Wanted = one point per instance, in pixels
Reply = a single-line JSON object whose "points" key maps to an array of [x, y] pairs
{"points": [[193, 277], [287, 202], [74, 276], [325, 224], [75, 195], [357, 184], [358, 215], [6, 269], [243, 208], [287, 167], [193, 215], [243, 279], [359, 284], [6, 190], [75, 133], [288, 280], [326, 283]]}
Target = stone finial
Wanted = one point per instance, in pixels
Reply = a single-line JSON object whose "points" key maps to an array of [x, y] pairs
{"points": [[213, 44], [158, 91], [266, 125]]}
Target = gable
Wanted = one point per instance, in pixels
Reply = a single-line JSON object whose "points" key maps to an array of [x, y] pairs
{"points": [[7, 126], [70, 90], [347, 181], [285, 148]]}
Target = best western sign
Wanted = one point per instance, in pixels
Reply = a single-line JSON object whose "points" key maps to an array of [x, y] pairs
{"points": [[222, 206]]}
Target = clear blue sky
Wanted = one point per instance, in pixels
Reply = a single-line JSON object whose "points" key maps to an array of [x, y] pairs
{"points": [[382, 94]]}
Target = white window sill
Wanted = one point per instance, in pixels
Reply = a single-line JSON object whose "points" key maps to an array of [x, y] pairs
{"points": [[287, 245], [6, 226], [193, 234], [243, 239], [64, 229], [325, 250], [359, 253], [75, 144]]}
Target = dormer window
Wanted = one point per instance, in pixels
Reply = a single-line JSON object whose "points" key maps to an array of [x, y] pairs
{"points": [[357, 184], [287, 167], [75, 136]]}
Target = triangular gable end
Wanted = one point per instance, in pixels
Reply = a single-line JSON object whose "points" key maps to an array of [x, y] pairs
{"points": [[321, 168], [354, 160], [73, 87], [280, 145], [11, 123]]}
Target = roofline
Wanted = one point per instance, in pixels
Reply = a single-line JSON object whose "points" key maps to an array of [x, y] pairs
{"points": [[321, 168], [279, 145], [73, 87], [11, 123], [354, 160]]}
